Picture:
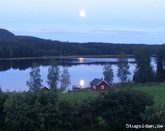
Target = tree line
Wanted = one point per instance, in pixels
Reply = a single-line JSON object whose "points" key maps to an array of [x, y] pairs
{"points": [[53, 78], [21, 46], [144, 70]]}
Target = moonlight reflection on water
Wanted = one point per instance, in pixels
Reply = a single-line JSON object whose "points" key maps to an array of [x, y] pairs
{"points": [[14, 74]]}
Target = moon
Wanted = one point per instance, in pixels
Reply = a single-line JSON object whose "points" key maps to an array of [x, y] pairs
{"points": [[82, 83], [82, 13]]}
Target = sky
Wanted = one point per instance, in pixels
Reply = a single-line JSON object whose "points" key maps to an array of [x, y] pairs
{"points": [[114, 21]]}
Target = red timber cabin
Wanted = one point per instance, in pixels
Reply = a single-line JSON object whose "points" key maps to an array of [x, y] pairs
{"points": [[99, 84]]}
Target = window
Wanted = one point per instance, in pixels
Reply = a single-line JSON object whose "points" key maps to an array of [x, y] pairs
{"points": [[94, 87], [102, 87]]}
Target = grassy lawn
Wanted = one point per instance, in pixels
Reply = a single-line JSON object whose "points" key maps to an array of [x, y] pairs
{"points": [[78, 95], [157, 90]]}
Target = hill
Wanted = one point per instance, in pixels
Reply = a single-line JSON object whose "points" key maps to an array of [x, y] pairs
{"points": [[6, 35], [12, 46]]}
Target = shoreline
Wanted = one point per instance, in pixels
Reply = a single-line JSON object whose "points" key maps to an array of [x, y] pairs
{"points": [[64, 57]]}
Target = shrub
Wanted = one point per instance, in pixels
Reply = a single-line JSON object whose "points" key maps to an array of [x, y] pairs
{"points": [[30, 111], [156, 114], [2, 114], [109, 110], [118, 108]]}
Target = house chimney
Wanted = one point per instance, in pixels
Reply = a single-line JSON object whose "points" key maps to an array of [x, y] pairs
{"points": [[102, 78]]}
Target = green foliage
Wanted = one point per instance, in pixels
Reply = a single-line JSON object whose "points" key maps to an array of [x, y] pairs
{"points": [[124, 106], [78, 95], [156, 114], [34, 83], [2, 114], [53, 76], [123, 69], [160, 72], [156, 90], [160, 59], [31, 111], [65, 79], [84, 110], [77, 112], [108, 73], [144, 71]]}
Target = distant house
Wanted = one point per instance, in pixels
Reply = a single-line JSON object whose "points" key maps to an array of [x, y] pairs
{"points": [[98, 84]]}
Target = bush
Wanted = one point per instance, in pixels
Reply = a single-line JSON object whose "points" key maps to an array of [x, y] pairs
{"points": [[2, 114], [118, 108], [73, 114], [30, 111], [156, 114], [109, 110]]}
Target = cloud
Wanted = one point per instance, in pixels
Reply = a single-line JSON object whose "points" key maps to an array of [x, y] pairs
{"points": [[89, 30]]}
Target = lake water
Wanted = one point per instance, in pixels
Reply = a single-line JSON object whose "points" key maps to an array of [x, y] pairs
{"points": [[15, 73]]}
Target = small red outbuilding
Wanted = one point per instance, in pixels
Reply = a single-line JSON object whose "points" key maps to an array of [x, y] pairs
{"points": [[99, 84]]}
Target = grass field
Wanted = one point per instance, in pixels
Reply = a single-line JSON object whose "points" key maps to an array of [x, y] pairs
{"points": [[156, 90], [79, 95]]}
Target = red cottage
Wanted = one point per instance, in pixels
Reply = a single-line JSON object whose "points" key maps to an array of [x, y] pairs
{"points": [[98, 84]]}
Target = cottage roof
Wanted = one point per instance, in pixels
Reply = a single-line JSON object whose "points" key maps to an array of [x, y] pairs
{"points": [[95, 81]]}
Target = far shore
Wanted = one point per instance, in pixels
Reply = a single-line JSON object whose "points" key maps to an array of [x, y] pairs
{"points": [[64, 57]]}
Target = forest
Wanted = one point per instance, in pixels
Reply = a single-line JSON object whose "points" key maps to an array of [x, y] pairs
{"points": [[12, 46]]}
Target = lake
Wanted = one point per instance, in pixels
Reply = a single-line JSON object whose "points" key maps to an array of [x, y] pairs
{"points": [[15, 73]]}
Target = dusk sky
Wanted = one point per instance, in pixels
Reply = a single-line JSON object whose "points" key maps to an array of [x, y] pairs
{"points": [[124, 21]]}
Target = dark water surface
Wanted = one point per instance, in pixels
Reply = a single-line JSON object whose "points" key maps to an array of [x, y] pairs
{"points": [[15, 73]]}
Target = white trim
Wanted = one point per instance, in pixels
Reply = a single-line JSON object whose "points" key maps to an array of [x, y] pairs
{"points": [[102, 81]]}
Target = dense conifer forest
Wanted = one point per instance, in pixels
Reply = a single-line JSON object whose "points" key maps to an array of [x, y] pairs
{"points": [[12, 46]]}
